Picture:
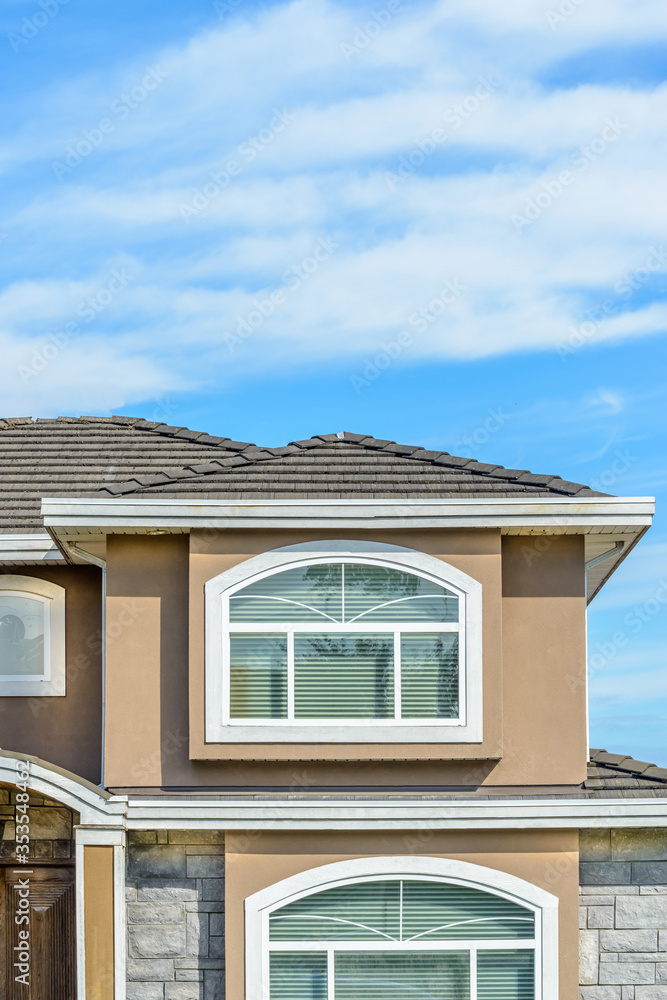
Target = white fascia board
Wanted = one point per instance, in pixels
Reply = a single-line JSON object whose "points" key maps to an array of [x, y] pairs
{"points": [[546, 513], [499, 814], [35, 548]]}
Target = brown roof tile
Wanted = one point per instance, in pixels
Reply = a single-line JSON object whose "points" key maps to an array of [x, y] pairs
{"points": [[116, 456]]}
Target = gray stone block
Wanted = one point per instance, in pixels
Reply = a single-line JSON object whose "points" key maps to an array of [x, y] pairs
{"points": [[198, 963], [629, 940], [649, 872], [155, 970], [205, 906], [607, 873], [184, 991], [156, 940], [661, 972], [158, 861], [627, 993], [639, 845], [650, 993], [156, 913], [205, 866], [218, 849], [600, 993], [142, 837], [214, 986], [197, 932], [213, 889], [189, 975], [589, 957], [197, 837], [217, 923], [167, 889], [600, 916], [145, 991], [595, 845], [632, 974], [641, 912], [50, 824], [216, 947]]}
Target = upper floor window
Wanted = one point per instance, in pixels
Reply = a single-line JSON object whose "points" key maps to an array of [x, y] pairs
{"points": [[350, 644], [32, 637]]}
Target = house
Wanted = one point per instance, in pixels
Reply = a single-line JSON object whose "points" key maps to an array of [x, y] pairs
{"points": [[303, 722]]}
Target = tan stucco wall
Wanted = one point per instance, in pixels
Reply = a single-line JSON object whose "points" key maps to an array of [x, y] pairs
{"points": [[147, 666], [534, 645], [44, 727], [544, 661], [549, 859], [98, 907]]}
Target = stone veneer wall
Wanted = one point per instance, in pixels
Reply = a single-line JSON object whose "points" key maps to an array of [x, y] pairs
{"points": [[175, 915], [51, 825], [623, 916]]}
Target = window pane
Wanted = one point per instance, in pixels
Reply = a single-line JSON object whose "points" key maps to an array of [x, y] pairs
{"points": [[365, 911], [407, 976], [258, 676], [305, 594], [21, 635], [344, 676], [430, 675], [438, 911], [506, 975], [379, 594], [298, 976]]}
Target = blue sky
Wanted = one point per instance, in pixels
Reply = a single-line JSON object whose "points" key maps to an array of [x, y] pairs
{"points": [[271, 220]]}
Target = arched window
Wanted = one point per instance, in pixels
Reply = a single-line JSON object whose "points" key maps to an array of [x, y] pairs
{"points": [[32, 637], [407, 935], [338, 642]]}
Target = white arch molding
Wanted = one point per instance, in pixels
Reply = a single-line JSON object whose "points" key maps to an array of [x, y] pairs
{"points": [[94, 805], [466, 587], [259, 906]]}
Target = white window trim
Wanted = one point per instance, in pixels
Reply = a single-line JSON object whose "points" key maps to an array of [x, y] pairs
{"points": [[468, 730], [260, 905], [50, 684]]}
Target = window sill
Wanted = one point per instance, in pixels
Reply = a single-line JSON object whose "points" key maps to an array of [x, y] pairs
{"points": [[396, 733]]}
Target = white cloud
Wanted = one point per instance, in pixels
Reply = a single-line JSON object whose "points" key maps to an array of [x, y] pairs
{"points": [[453, 217]]}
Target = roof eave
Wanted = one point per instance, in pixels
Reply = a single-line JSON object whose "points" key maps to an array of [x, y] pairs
{"points": [[531, 514]]}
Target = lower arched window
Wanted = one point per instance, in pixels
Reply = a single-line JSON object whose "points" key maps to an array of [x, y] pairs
{"points": [[417, 937]]}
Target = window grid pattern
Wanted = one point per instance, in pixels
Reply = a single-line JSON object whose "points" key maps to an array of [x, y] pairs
{"points": [[401, 939], [346, 642]]}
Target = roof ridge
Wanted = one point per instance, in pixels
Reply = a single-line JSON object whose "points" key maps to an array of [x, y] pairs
{"points": [[251, 453]]}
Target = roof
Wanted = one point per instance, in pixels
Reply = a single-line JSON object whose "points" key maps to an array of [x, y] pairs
{"points": [[347, 466], [615, 774], [117, 456], [72, 457]]}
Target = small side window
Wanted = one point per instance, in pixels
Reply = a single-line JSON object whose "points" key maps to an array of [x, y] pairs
{"points": [[32, 638]]}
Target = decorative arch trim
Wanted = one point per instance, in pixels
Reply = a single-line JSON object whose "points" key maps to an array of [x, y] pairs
{"points": [[259, 906], [92, 803]]}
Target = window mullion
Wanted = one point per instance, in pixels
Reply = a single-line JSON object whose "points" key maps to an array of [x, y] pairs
{"points": [[331, 974], [473, 973], [290, 675], [397, 675]]}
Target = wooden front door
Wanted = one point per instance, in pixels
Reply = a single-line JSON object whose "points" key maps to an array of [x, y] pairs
{"points": [[50, 907]]}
